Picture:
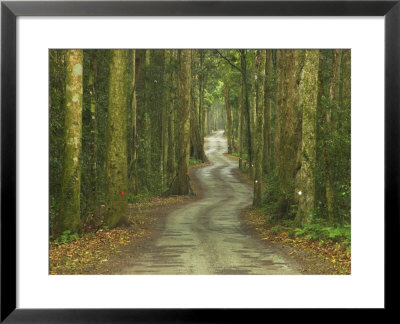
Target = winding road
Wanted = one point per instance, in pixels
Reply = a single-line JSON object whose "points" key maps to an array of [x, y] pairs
{"points": [[206, 236]]}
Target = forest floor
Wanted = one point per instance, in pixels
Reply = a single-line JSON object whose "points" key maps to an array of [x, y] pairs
{"points": [[213, 232], [314, 257]]}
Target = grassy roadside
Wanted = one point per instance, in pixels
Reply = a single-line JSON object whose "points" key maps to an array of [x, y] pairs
{"points": [[319, 249]]}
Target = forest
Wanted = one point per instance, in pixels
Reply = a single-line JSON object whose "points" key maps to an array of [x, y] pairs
{"points": [[127, 125]]}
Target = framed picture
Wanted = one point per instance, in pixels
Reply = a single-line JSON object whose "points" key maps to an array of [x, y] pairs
{"points": [[33, 35]]}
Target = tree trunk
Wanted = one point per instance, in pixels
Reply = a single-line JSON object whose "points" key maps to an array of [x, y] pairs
{"points": [[202, 114], [197, 147], [92, 147], [171, 164], [116, 166], [146, 128], [247, 104], [288, 126], [165, 111], [228, 117], [329, 129], [241, 122], [181, 187], [71, 183], [259, 87], [308, 99], [268, 97], [133, 181]]}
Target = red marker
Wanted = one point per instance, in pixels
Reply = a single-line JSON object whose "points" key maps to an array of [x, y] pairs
{"points": [[187, 173], [122, 193]]}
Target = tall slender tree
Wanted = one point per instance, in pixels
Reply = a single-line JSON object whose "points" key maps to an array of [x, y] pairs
{"points": [[116, 166], [196, 143], [92, 147], [259, 87], [133, 174], [146, 124], [308, 101], [71, 181], [329, 129], [268, 100], [228, 117], [182, 186], [243, 65], [164, 122], [288, 125], [171, 164]]}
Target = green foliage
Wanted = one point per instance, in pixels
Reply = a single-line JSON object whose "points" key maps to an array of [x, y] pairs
{"points": [[319, 231], [276, 229], [133, 199], [276, 201], [66, 237], [193, 161]]}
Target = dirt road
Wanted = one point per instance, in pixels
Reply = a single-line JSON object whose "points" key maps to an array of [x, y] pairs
{"points": [[206, 236]]}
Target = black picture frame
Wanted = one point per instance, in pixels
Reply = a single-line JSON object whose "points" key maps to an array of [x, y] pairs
{"points": [[11, 10]]}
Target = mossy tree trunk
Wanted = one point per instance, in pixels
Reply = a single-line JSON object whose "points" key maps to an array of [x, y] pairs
{"points": [[308, 100], [164, 122], [243, 65], [171, 163], [147, 125], [241, 122], [181, 187], [288, 126], [116, 166], [133, 175], [259, 125], [197, 148], [268, 101], [329, 130], [202, 111], [92, 147], [228, 117], [71, 179]]}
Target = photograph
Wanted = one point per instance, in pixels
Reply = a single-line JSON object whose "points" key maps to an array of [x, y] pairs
{"points": [[199, 161]]}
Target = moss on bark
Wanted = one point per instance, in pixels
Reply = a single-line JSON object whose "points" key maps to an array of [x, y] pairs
{"points": [[71, 183], [184, 76], [308, 100], [116, 166], [260, 60]]}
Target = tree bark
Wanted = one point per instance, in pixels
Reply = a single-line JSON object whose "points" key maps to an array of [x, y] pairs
{"points": [[116, 166], [268, 99], [329, 129], [308, 99], [165, 111], [71, 183], [183, 105], [133, 181], [92, 192], [171, 163], [247, 103], [147, 107], [241, 122], [260, 59], [288, 126], [197, 147], [228, 117]]}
